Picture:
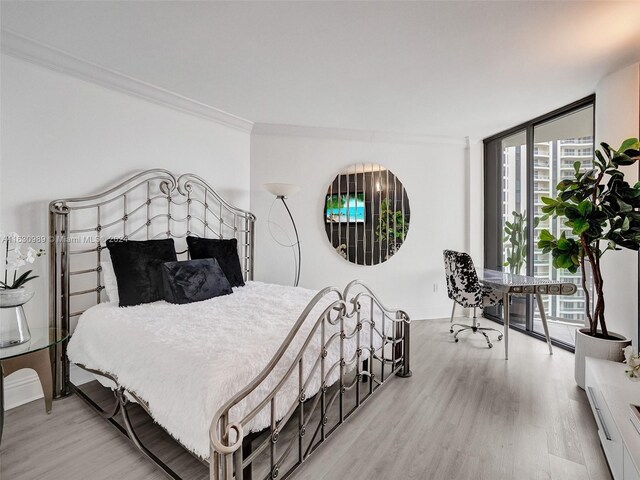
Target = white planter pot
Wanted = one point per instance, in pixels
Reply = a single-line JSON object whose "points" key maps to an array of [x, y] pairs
{"points": [[588, 346], [14, 297]]}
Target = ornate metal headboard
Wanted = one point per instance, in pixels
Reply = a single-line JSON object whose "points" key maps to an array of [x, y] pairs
{"points": [[151, 204]]}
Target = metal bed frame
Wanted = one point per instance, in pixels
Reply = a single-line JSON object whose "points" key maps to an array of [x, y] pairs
{"points": [[159, 204]]}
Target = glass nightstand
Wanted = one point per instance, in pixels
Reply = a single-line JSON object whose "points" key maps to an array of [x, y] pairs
{"points": [[34, 354]]}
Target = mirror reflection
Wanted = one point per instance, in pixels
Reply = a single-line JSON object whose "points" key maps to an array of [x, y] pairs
{"points": [[366, 214]]}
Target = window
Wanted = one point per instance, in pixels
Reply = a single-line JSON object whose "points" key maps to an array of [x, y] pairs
{"points": [[527, 162]]}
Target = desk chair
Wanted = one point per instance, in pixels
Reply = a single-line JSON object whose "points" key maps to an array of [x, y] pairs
{"points": [[464, 288]]}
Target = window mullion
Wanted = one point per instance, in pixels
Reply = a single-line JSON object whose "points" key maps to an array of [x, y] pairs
{"points": [[530, 232]]}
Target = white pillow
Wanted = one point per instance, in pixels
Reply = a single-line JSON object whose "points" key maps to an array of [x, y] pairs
{"points": [[109, 280]]}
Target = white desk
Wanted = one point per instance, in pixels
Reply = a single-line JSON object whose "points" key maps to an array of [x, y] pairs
{"points": [[509, 284]]}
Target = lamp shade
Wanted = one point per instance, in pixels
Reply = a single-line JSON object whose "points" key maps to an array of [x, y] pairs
{"points": [[282, 189]]}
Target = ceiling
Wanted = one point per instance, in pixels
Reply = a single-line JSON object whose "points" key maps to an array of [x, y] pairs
{"points": [[430, 68]]}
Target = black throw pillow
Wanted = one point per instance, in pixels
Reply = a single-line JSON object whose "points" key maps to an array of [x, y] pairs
{"points": [[137, 267], [225, 251], [193, 281]]}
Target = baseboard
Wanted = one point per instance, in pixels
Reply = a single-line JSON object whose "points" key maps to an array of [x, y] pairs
{"points": [[21, 388], [24, 386]]}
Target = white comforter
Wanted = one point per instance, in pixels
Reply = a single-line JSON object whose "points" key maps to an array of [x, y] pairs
{"points": [[186, 361]]}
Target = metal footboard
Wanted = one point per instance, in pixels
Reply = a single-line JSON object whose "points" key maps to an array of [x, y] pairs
{"points": [[373, 343]]}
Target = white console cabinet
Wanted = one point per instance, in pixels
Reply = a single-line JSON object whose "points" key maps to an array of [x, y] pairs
{"points": [[610, 395]]}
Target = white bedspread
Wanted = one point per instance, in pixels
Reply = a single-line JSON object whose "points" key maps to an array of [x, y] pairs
{"points": [[186, 361]]}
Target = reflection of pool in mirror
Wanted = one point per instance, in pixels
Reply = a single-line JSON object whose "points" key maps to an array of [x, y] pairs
{"points": [[345, 208], [366, 214]]}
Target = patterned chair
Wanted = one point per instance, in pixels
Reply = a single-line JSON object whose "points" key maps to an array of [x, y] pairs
{"points": [[465, 289]]}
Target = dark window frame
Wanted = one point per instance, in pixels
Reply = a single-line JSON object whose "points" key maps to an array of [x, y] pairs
{"points": [[493, 197]]}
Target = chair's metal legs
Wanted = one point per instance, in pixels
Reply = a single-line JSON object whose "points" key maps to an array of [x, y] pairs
{"points": [[476, 323], [453, 311], [486, 338], [464, 327], [475, 328]]}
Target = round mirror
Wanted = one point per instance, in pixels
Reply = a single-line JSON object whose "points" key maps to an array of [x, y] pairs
{"points": [[366, 214]]}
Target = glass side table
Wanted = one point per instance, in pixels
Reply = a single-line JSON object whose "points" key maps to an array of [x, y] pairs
{"points": [[34, 354]]}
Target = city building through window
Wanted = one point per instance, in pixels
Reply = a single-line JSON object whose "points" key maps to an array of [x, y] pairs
{"points": [[527, 163]]}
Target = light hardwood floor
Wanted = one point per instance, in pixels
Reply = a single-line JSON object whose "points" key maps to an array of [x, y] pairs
{"points": [[465, 414]]}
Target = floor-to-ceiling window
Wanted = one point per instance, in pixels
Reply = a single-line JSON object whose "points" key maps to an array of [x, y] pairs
{"points": [[522, 165], [513, 213]]}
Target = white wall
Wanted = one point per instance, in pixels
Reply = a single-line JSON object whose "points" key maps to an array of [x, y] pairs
{"points": [[475, 201], [434, 177], [617, 118], [64, 137]]}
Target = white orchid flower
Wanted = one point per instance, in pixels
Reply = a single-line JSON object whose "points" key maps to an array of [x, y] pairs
{"points": [[15, 259], [16, 264], [31, 255], [628, 353], [633, 363]]}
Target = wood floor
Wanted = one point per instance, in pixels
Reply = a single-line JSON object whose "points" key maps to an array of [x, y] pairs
{"points": [[465, 414]]}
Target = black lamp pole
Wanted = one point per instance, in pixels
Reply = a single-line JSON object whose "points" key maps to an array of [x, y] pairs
{"points": [[295, 229]]}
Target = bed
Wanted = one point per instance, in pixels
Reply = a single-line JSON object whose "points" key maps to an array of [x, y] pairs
{"points": [[265, 374]]}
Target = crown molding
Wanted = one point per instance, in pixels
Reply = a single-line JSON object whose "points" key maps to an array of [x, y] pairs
{"points": [[24, 48], [368, 136], [32, 51]]}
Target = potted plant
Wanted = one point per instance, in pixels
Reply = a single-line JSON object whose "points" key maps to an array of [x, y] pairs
{"points": [[601, 209], [13, 293]]}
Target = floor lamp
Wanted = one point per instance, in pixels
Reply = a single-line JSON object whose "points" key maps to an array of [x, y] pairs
{"points": [[282, 191]]}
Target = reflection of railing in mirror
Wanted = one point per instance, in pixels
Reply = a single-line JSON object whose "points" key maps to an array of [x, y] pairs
{"points": [[366, 214]]}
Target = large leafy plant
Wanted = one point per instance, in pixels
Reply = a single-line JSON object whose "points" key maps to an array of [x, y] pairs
{"points": [[601, 209]]}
